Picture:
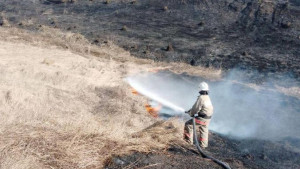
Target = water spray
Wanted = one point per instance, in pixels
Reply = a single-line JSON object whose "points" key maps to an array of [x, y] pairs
{"points": [[155, 97]]}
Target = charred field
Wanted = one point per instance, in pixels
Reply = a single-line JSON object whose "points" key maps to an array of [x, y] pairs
{"points": [[237, 153], [246, 34], [259, 37]]}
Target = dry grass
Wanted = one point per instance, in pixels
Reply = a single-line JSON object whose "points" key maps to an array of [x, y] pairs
{"points": [[51, 37], [3, 20], [290, 91], [68, 109]]}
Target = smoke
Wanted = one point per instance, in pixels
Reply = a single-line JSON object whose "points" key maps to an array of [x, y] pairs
{"points": [[239, 111]]}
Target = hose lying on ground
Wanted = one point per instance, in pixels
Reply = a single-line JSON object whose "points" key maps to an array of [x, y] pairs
{"points": [[226, 166]]}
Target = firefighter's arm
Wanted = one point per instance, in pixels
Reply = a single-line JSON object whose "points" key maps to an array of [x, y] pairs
{"points": [[188, 112], [195, 109]]}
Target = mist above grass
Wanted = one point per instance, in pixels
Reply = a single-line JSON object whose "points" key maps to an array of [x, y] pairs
{"points": [[241, 109]]}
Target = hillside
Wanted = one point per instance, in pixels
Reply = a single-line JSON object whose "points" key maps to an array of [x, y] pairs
{"points": [[66, 108], [65, 101]]}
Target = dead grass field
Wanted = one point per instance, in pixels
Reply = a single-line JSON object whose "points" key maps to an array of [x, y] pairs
{"points": [[64, 103]]}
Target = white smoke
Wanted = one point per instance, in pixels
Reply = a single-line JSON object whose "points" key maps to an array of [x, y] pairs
{"points": [[239, 110]]}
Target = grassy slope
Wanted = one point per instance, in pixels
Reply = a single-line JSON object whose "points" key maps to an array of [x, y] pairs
{"points": [[62, 107], [64, 103]]}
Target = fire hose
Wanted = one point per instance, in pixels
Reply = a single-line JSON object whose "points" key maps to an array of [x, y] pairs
{"points": [[224, 165]]}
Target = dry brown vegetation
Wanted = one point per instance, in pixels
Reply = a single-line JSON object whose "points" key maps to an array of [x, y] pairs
{"points": [[3, 20], [69, 109]]}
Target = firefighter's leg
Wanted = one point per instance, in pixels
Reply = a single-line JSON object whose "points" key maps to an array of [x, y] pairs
{"points": [[188, 131], [203, 137]]}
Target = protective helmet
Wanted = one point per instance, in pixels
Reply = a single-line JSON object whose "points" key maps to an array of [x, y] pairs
{"points": [[203, 86]]}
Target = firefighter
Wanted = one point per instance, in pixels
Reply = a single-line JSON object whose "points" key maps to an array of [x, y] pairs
{"points": [[203, 107]]}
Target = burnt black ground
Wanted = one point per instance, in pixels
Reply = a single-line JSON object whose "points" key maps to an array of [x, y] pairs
{"points": [[237, 153], [244, 34]]}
